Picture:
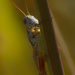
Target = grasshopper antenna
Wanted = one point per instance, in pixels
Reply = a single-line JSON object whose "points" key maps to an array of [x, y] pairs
{"points": [[18, 8], [27, 8]]}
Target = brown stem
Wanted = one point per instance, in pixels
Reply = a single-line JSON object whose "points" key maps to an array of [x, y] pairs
{"points": [[43, 13]]}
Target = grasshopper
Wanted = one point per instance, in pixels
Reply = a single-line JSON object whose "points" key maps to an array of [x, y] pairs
{"points": [[33, 33]]}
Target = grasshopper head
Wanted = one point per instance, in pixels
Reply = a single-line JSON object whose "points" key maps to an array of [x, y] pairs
{"points": [[30, 21]]}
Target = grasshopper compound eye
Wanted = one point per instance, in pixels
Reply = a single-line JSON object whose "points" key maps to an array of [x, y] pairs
{"points": [[38, 29], [33, 29]]}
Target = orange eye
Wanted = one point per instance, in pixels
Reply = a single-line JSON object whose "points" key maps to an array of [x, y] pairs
{"points": [[38, 29], [33, 29]]}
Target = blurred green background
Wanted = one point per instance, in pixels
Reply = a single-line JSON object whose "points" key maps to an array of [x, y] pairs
{"points": [[16, 56]]}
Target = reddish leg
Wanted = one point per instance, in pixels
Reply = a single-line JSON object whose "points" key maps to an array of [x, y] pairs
{"points": [[41, 63]]}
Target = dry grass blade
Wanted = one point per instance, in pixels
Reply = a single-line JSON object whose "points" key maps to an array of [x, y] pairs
{"points": [[54, 62]]}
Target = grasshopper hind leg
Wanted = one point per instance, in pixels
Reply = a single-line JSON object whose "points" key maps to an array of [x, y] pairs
{"points": [[40, 59]]}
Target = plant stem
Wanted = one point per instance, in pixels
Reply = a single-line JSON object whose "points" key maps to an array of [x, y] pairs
{"points": [[43, 13]]}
